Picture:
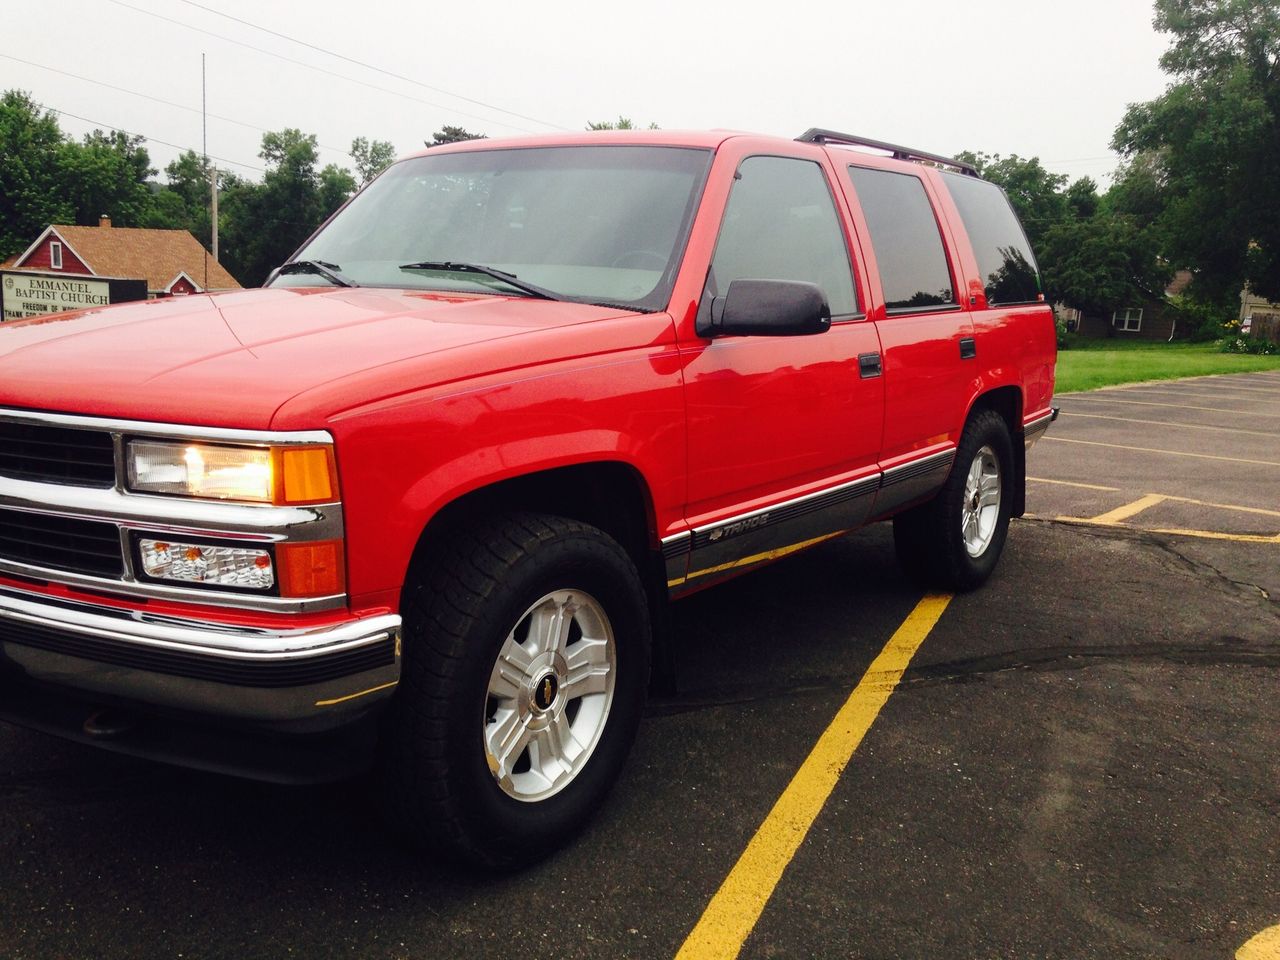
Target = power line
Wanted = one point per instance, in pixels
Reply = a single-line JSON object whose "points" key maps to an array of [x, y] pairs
{"points": [[309, 66], [127, 133], [1080, 160], [147, 96], [369, 66]]}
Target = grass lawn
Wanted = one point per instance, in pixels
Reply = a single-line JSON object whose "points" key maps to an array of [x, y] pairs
{"points": [[1101, 363]]}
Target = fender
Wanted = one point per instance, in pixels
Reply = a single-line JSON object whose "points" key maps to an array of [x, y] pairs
{"points": [[401, 462]]}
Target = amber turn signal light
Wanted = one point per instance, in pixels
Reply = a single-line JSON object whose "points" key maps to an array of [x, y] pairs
{"points": [[311, 569], [305, 475]]}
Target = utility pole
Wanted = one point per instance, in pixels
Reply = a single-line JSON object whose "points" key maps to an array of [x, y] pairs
{"points": [[213, 178], [213, 182]]}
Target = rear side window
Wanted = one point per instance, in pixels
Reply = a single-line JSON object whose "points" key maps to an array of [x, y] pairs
{"points": [[1008, 266], [906, 239], [781, 224]]}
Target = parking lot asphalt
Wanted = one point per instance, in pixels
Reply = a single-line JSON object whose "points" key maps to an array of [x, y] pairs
{"points": [[1082, 759]]}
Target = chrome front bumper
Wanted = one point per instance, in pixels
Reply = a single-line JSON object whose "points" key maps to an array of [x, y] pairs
{"points": [[303, 679]]}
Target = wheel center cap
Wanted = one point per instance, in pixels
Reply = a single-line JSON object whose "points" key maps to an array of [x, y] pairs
{"points": [[545, 692]]}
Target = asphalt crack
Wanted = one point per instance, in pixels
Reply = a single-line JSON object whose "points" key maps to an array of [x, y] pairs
{"points": [[1164, 544], [1195, 565], [1225, 651]]}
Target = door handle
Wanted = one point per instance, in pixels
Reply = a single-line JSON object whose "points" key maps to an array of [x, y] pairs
{"points": [[868, 365], [968, 348]]}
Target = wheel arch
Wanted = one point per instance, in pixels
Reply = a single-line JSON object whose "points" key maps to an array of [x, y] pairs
{"points": [[611, 495], [608, 494], [1007, 401]]}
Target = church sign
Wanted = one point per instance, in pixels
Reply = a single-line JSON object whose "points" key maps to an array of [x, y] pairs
{"points": [[24, 294]]}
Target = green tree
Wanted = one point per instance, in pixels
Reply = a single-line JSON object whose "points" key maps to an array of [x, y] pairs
{"points": [[108, 174], [1082, 198], [371, 157], [31, 180], [167, 211], [336, 186], [265, 223], [1213, 141], [622, 123], [183, 203], [1094, 254], [448, 134], [46, 177], [1036, 194], [1138, 188], [1099, 263]]}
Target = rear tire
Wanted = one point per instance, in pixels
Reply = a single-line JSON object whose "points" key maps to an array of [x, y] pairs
{"points": [[955, 540], [525, 666]]}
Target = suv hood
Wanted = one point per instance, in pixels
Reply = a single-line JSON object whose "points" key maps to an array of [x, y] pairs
{"points": [[234, 359]]}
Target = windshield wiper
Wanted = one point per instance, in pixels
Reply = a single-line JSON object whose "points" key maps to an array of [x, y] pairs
{"points": [[509, 279], [330, 271]]}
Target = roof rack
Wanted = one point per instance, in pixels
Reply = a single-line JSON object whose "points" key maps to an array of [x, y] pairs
{"points": [[818, 135]]}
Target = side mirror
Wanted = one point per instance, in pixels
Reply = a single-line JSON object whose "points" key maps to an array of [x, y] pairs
{"points": [[769, 308]]}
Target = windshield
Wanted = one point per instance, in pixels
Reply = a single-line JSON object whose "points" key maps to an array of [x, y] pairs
{"points": [[600, 224]]}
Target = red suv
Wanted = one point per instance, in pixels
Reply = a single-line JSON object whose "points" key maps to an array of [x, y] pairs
{"points": [[419, 502]]}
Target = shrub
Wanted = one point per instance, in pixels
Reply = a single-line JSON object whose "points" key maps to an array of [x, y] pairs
{"points": [[1064, 338], [1203, 321], [1251, 345]]}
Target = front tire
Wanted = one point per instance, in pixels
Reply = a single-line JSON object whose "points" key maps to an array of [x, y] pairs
{"points": [[525, 666], [955, 540]]}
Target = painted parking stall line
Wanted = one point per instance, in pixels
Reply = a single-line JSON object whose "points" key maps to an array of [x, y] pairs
{"points": [[1168, 531], [1168, 423], [732, 913], [1120, 514], [1171, 453], [1078, 486], [1265, 946], [1249, 387], [1260, 511], [1147, 390], [1098, 398]]}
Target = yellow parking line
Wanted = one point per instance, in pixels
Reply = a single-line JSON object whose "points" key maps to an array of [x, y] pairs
{"points": [[1173, 497], [1170, 531], [1215, 535], [1068, 483], [1225, 506], [1265, 946], [1251, 414], [1166, 423], [737, 905], [1112, 517], [1172, 453]]}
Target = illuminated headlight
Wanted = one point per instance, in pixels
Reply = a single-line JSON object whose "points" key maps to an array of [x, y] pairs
{"points": [[202, 563], [303, 474]]}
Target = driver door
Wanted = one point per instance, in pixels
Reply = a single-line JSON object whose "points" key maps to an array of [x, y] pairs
{"points": [[784, 431]]}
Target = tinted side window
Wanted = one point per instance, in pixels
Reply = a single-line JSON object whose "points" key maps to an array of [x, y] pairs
{"points": [[1005, 259], [780, 224], [906, 239]]}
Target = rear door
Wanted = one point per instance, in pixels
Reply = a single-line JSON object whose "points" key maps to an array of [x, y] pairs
{"points": [[1012, 323], [923, 323]]}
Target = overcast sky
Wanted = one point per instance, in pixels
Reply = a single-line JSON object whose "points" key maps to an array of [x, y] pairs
{"points": [[1039, 78]]}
